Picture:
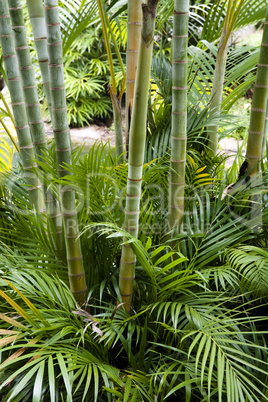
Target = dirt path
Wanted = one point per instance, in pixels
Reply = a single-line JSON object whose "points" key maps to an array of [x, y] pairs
{"points": [[87, 135]]}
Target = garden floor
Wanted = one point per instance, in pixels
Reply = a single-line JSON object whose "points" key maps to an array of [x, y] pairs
{"points": [[88, 135]]}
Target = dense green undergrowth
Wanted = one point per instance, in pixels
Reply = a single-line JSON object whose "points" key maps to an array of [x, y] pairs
{"points": [[197, 328]]}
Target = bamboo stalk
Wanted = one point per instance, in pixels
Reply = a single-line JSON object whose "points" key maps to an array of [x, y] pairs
{"points": [[34, 113], [136, 150], [38, 23], [179, 113], [61, 131], [233, 9], [258, 107], [118, 128], [133, 42], [33, 107], [18, 106], [116, 101]]}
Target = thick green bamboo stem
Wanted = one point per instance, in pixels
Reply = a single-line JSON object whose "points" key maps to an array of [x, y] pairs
{"points": [[216, 94], [61, 130], [38, 23], [55, 225], [18, 106], [258, 108], [179, 112], [33, 107], [233, 9], [136, 149], [133, 43]]}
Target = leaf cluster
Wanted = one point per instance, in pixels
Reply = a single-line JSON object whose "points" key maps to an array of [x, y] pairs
{"points": [[196, 329]]}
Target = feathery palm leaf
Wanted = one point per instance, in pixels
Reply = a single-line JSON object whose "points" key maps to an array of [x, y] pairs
{"points": [[75, 18], [49, 357], [250, 262], [215, 14]]}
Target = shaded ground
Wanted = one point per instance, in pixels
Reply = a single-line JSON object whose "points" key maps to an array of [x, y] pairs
{"points": [[87, 135], [230, 147]]}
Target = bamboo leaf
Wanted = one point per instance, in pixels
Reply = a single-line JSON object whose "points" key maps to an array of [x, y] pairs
{"points": [[20, 386], [211, 366], [182, 385]]}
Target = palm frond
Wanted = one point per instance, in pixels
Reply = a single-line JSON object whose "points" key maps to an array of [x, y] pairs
{"points": [[51, 358], [215, 14], [250, 263], [214, 352], [209, 231], [75, 18]]}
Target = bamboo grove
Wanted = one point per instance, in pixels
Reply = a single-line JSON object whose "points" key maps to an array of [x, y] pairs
{"points": [[59, 118], [127, 277]]}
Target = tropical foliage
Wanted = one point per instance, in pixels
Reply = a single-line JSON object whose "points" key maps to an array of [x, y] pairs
{"points": [[196, 327], [86, 77]]}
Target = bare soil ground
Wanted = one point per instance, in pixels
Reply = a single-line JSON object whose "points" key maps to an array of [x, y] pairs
{"points": [[88, 135]]}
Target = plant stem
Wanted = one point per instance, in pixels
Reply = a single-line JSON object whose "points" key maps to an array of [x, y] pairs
{"points": [[258, 108], [61, 131], [34, 112], [233, 9], [179, 113], [38, 23], [116, 102], [18, 106], [33, 108], [117, 113], [133, 42], [265, 133], [136, 150]]}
